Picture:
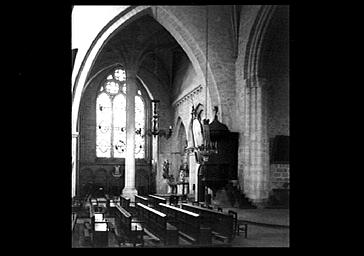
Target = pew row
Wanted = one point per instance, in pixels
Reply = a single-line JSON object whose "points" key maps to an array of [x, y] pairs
{"points": [[157, 223], [74, 220], [188, 224], [222, 224], [155, 200], [141, 199], [133, 230], [125, 203]]}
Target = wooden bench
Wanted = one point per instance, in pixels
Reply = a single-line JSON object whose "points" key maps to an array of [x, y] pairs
{"points": [[155, 200], [102, 201], [87, 232], [188, 224], [222, 224], [133, 230], [141, 199], [157, 223], [125, 203], [173, 199], [74, 220]]}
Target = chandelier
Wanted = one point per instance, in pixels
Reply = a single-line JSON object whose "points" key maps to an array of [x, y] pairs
{"points": [[155, 131]]}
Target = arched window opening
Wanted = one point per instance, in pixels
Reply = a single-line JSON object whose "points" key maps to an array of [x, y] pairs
{"points": [[111, 118]]}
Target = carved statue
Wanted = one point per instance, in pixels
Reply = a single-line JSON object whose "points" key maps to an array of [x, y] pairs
{"points": [[116, 173], [165, 169], [184, 167], [182, 175]]}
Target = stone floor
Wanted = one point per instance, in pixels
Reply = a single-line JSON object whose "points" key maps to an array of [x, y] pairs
{"points": [[266, 228], [276, 217]]}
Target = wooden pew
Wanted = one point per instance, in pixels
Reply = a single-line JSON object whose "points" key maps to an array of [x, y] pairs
{"points": [[87, 233], [173, 199], [157, 223], [222, 224], [133, 230], [188, 224], [74, 220], [155, 200], [102, 201], [141, 199], [125, 203]]}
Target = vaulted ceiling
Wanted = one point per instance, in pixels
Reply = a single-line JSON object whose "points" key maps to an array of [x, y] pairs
{"points": [[146, 43]]}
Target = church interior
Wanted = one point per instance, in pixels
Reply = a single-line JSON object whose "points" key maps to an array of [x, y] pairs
{"points": [[180, 126]]}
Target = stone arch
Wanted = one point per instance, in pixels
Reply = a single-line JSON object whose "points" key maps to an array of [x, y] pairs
{"points": [[180, 134], [255, 177], [193, 50], [255, 42], [167, 20], [177, 144]]}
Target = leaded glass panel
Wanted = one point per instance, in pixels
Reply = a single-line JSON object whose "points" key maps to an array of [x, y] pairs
{"points": [[120, 75], [119, 112], [103, 122], [139, 127], [112, 87], [111, 119]]}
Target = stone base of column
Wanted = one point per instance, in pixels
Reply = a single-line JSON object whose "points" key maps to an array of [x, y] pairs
{"points": [[130, 193], [260, 203]]}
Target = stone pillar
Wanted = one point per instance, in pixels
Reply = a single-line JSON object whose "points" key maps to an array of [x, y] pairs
{"points": [[256, 178], [129, 190], [74, 163]]}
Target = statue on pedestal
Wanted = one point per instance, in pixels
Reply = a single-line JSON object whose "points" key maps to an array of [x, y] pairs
{"points": [[182, 176], [165, 169], [168, 179]]}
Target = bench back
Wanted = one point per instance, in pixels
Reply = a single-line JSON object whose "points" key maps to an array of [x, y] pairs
{"points": [[155, 200], [125, 202], [221, 223], [188, 222], [123, 218], [156, 222], [141, 199]]}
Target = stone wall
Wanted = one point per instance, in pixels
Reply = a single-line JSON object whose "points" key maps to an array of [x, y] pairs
{"points": [[279, 175], [227, 87]]}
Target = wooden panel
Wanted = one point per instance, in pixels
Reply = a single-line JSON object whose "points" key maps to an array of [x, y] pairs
{"points": [[189, 223], [141, 199], [221, 223], [156, 222]]}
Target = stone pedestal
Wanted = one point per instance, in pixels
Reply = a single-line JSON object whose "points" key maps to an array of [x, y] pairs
{"points": [[130, 193]]}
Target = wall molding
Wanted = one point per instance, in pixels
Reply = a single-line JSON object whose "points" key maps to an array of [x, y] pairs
{"points": [[187, 96]]}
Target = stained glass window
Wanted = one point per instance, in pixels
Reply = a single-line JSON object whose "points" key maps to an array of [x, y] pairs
{"points": [[139, 127], [112, 87], [111, 118], [104, 123], [119, 110], [120, 75]]}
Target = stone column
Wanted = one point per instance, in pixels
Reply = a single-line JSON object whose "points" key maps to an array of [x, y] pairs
{"points": [[256, 180], [129, 190], [74, 163]]}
